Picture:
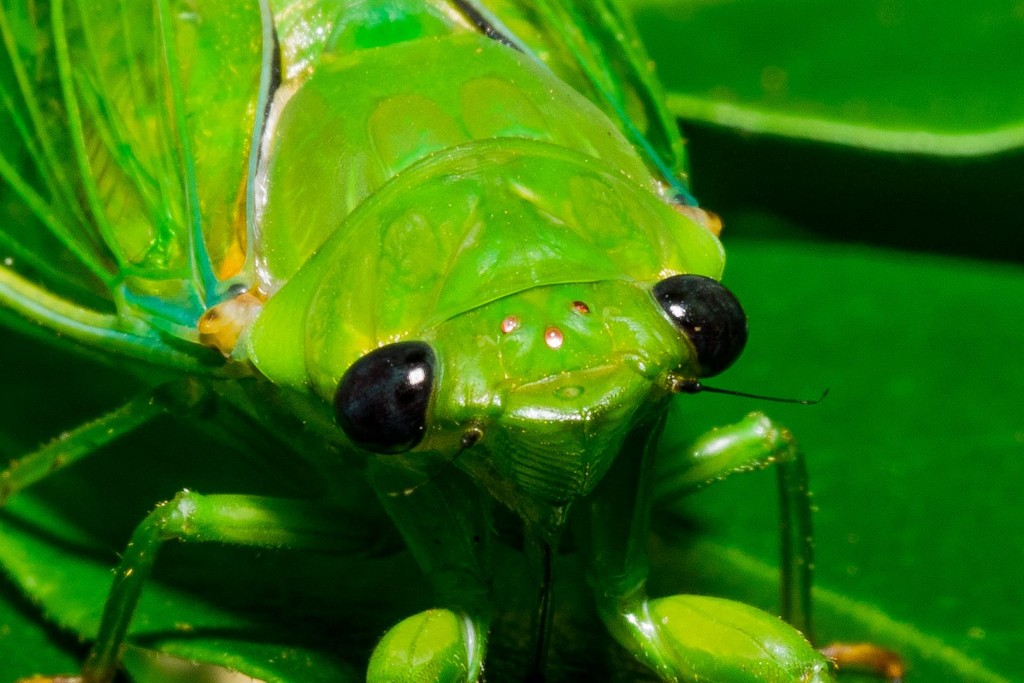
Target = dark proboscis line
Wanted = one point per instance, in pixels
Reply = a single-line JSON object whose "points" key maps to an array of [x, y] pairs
{"points": [[272, 86], [542, 629], [275, 75], [483, 25]]}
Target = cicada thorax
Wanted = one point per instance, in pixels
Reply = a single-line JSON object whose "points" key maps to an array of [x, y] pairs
{"points": [[364, 117], [426, 191]]}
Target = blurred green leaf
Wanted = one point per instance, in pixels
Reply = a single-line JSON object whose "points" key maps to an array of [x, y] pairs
{"points": [[897, 75], [27, 644], [891, 122]]}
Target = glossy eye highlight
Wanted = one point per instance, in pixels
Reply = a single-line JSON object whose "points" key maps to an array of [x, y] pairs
{"points": [[709, 315], [382, 401]]}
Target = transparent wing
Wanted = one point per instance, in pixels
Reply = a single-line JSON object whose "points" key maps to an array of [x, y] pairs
{"points": [[592, 45], [124, 181]]}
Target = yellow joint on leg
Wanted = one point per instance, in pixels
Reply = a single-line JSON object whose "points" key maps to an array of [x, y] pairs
{"points": [[223, 325]]}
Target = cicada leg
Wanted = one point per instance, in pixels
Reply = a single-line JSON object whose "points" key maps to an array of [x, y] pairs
{"points": [[86, 439], [242, 520], [753, 443], [684, 637], [756, 442], [445, 523]]}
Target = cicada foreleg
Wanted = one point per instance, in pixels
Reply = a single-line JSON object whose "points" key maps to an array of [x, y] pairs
{"points": [[753, 443], [685, 637], [240, 520], [181, 397], [445, 522]]}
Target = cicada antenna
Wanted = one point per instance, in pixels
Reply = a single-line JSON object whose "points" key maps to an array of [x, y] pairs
{"points": [[692, 386]]}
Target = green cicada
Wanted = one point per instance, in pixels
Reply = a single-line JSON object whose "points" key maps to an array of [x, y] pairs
{"points": [[443, 249]]}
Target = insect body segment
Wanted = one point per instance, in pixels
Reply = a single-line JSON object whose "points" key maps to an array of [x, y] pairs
{"points": [[494, 93]]}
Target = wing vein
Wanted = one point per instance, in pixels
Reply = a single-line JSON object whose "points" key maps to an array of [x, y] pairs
{"points": [[204, 279]]}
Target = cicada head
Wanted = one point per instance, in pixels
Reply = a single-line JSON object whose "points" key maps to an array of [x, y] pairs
{"points": [[537, 392]]}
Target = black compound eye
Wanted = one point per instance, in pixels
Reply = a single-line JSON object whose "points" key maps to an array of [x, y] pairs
{"points": [[709, 315], [382, 401]]}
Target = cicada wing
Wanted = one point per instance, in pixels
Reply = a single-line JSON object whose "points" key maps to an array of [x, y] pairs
{"points": [[137, 127], [45, 231], [592, 45]]}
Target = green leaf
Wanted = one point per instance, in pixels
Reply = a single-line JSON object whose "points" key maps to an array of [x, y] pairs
{"points": [[26, 643], [938, 78]]}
